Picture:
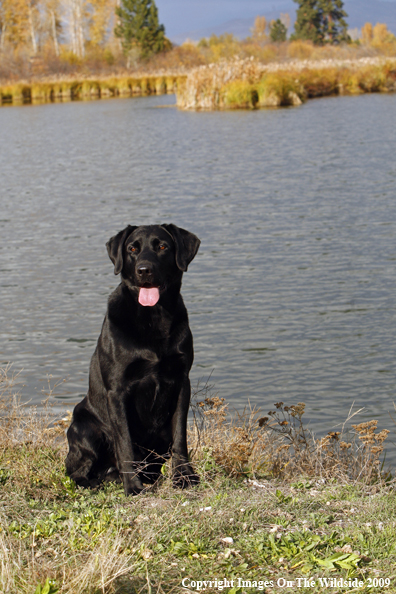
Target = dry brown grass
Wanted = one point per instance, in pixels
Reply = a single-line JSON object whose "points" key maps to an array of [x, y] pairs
{"points": [[22, 423], [280, 446], [240, 445], [222, 85]]}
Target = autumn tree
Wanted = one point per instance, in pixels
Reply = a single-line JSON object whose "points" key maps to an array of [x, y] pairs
{"points": [[376, 35], [101, 12], [381, 34], [77, 16], [35, 23], [259, 29], [2, 25], [139, 27], [51, 28], [14, 18], [367, 33], [285, 19], [219, 46]]}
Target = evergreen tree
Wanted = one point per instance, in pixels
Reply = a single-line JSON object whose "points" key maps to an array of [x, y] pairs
{"points": [[308, 24], [334, 26], [278, 31], [139, 27], [321, 21]]}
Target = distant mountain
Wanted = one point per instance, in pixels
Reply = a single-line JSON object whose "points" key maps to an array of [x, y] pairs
{"points": [[238, 27], [359, 12]]}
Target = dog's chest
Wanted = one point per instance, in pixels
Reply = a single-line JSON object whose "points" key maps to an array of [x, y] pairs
{"points": [[159, 366], [154, 385]]}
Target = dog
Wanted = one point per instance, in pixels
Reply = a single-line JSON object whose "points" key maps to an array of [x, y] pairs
{"points": [[134, 415]]}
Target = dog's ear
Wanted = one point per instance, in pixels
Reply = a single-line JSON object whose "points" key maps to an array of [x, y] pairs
{"points": [[186, 243], [115, 247]]}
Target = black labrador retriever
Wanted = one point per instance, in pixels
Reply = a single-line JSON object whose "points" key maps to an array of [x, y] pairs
{"points": [[135, 413]]}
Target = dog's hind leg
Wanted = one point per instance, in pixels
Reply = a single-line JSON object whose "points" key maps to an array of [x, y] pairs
{"points": [[88, 459]]}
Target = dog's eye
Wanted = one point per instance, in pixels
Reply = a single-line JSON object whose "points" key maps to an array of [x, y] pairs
{"points": [[132, 248], [162, 246]]}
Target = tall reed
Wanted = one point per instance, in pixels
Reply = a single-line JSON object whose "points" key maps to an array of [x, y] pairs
{"points": [[87, 88], [250, 84]]}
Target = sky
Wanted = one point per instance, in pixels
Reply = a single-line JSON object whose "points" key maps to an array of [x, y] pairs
{"points": [[182, 16], [179, 16]]}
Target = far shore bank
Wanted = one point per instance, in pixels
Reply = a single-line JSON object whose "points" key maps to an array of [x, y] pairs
{"points": [[47, 90], [228, 84]]}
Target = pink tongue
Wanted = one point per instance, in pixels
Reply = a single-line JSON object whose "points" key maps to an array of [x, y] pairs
{"points": [[148, 296]]}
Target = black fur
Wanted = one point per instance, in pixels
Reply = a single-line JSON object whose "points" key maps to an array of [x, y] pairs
{"points": [[135, 413]]}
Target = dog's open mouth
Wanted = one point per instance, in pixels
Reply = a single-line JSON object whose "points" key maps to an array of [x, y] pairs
{"points": [[149, 297]]}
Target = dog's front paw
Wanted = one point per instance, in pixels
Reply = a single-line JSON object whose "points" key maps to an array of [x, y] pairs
{"points": [[132, 486], [184, 477], [85, 482]]}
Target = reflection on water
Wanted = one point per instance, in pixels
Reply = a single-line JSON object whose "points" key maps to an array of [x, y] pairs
{"points": [[291, 296]]}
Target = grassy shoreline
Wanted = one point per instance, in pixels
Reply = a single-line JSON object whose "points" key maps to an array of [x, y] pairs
{"points": [[47, 90], [274, 505], [228, 84]]}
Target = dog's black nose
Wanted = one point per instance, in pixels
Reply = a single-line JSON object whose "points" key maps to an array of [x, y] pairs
{"points": [[144, 270]]}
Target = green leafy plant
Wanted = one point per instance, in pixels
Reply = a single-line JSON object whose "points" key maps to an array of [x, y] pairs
{"points": [[49, 587]]}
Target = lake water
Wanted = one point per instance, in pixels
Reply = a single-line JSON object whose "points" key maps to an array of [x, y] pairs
{"points": [[292, 294]]}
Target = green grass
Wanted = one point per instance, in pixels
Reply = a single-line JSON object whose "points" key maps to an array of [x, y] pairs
{"points": [[253, 518], [100, 541]]}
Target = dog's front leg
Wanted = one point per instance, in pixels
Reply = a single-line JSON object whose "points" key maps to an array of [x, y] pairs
{"points": [[183, 474], [125, 455]]}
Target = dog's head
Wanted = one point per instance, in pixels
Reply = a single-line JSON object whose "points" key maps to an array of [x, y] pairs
{"points": [[152, 258]]}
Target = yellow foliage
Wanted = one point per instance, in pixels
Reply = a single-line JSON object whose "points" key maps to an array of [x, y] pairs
{"points": [[280, 88], [372, 80], [239, 94], [268, 53], [259, 29], [101, 13], [381, 33], [379, 37], [320, 82], [383, 40], [300, 50], [367, 33], [90, 88], [15, 22], [218, 47], [349, 83], [69, 57]]}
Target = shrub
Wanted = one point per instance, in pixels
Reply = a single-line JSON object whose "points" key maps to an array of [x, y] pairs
{"points": [[280, 88], [239, 94], [300, 50], [319, 82]]}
